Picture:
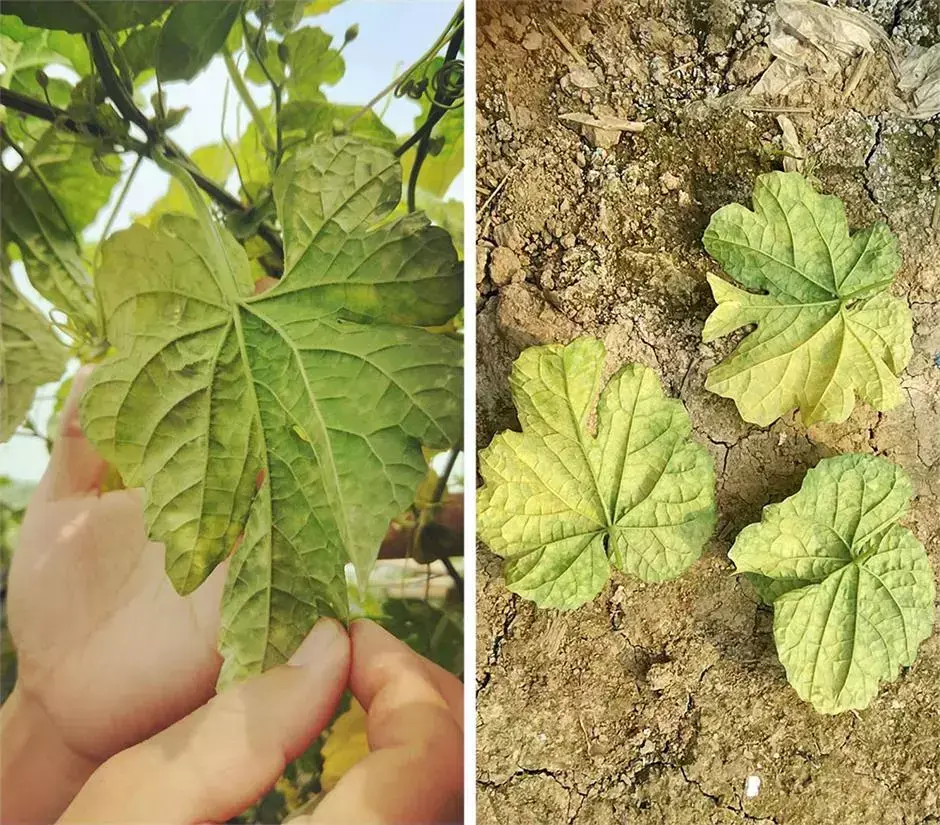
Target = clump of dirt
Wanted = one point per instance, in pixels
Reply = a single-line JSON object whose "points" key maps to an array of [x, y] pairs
{"points": [[667, 704]]}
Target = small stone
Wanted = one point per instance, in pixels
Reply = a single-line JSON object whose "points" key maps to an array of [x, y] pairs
{"points": [[504, 266], [583, 78], [524, 118], [668, 182], [601, 138], [752, 786], [506, 234], [532, 41], [750, 65], [583, 35], [568, 241]]}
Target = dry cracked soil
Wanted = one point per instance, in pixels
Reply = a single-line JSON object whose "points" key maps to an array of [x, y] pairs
{"points": [[654, 703]]}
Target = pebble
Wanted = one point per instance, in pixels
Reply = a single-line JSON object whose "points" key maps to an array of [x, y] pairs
{"points": [[668, 182], [504, 266], [532, 41], [503, 130], [506, 234], [583, 78]]}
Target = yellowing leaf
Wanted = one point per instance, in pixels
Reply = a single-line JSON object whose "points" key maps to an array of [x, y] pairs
{"points": [[826, 327], [320, 7], [293, 419], [560, 504], [346, 745], [852, 590]]}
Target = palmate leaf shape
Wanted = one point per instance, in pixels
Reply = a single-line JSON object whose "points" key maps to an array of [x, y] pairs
{"points": [[294, 418], [852, 590], [560, 505], [826, 327]]}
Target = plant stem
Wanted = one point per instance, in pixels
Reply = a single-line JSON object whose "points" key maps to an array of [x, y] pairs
{"points": [[118, 205], [275, 87], [435, 48], [59, 117], [441, 105], [427, 515], [116, 89], [246, 98]]}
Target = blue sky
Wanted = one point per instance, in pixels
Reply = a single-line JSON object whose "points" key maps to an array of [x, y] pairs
{"points": [[392, 34]]}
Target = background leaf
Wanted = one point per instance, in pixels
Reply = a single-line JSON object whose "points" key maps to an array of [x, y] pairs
{"points": [[67, 15], [30, 355], [191, 36], [214, 161], [49, 251]]}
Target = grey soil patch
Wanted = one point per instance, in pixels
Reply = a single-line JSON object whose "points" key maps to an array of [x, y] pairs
{"points": [[653, 704]]}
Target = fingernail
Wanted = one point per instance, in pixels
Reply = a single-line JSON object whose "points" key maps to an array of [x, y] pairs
{"points": [[321, 644]]}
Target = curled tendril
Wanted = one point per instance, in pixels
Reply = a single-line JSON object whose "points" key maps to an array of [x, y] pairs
{"points": [[82, 337], [447, 77]]}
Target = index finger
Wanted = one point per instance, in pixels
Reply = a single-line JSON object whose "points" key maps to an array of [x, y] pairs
{"points": [[74, 468], [414, 772]]}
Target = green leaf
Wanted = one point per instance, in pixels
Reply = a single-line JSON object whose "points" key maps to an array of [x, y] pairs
{"points": [[312, 64], [24, 47], [81, 179], [826, 327], [23, 51], [306, 119], [49, 251], [68, 15], [296, 417], [192, 34], [853, 591], [214, 161], [140, 49], [317, 7], [560, 504], [30, 355], [286, 14]]}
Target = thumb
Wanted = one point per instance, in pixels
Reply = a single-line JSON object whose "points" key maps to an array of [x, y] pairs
{"points": [[74, 467], [220, 759]]}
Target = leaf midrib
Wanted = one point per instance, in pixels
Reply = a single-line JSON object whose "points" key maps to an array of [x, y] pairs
{"points": [[328, 459], [579, 433]]}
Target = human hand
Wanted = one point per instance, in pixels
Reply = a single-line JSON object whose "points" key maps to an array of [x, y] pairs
{"points": [[107, 652], [217, 761]]}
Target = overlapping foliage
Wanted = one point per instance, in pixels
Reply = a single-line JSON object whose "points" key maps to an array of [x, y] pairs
{"points": [[289, 424]]}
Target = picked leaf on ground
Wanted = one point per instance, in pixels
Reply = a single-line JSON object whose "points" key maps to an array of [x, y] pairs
{"points": [[826, 327], [561, 505], [852, 590], [295, 417], [30, 355]]}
